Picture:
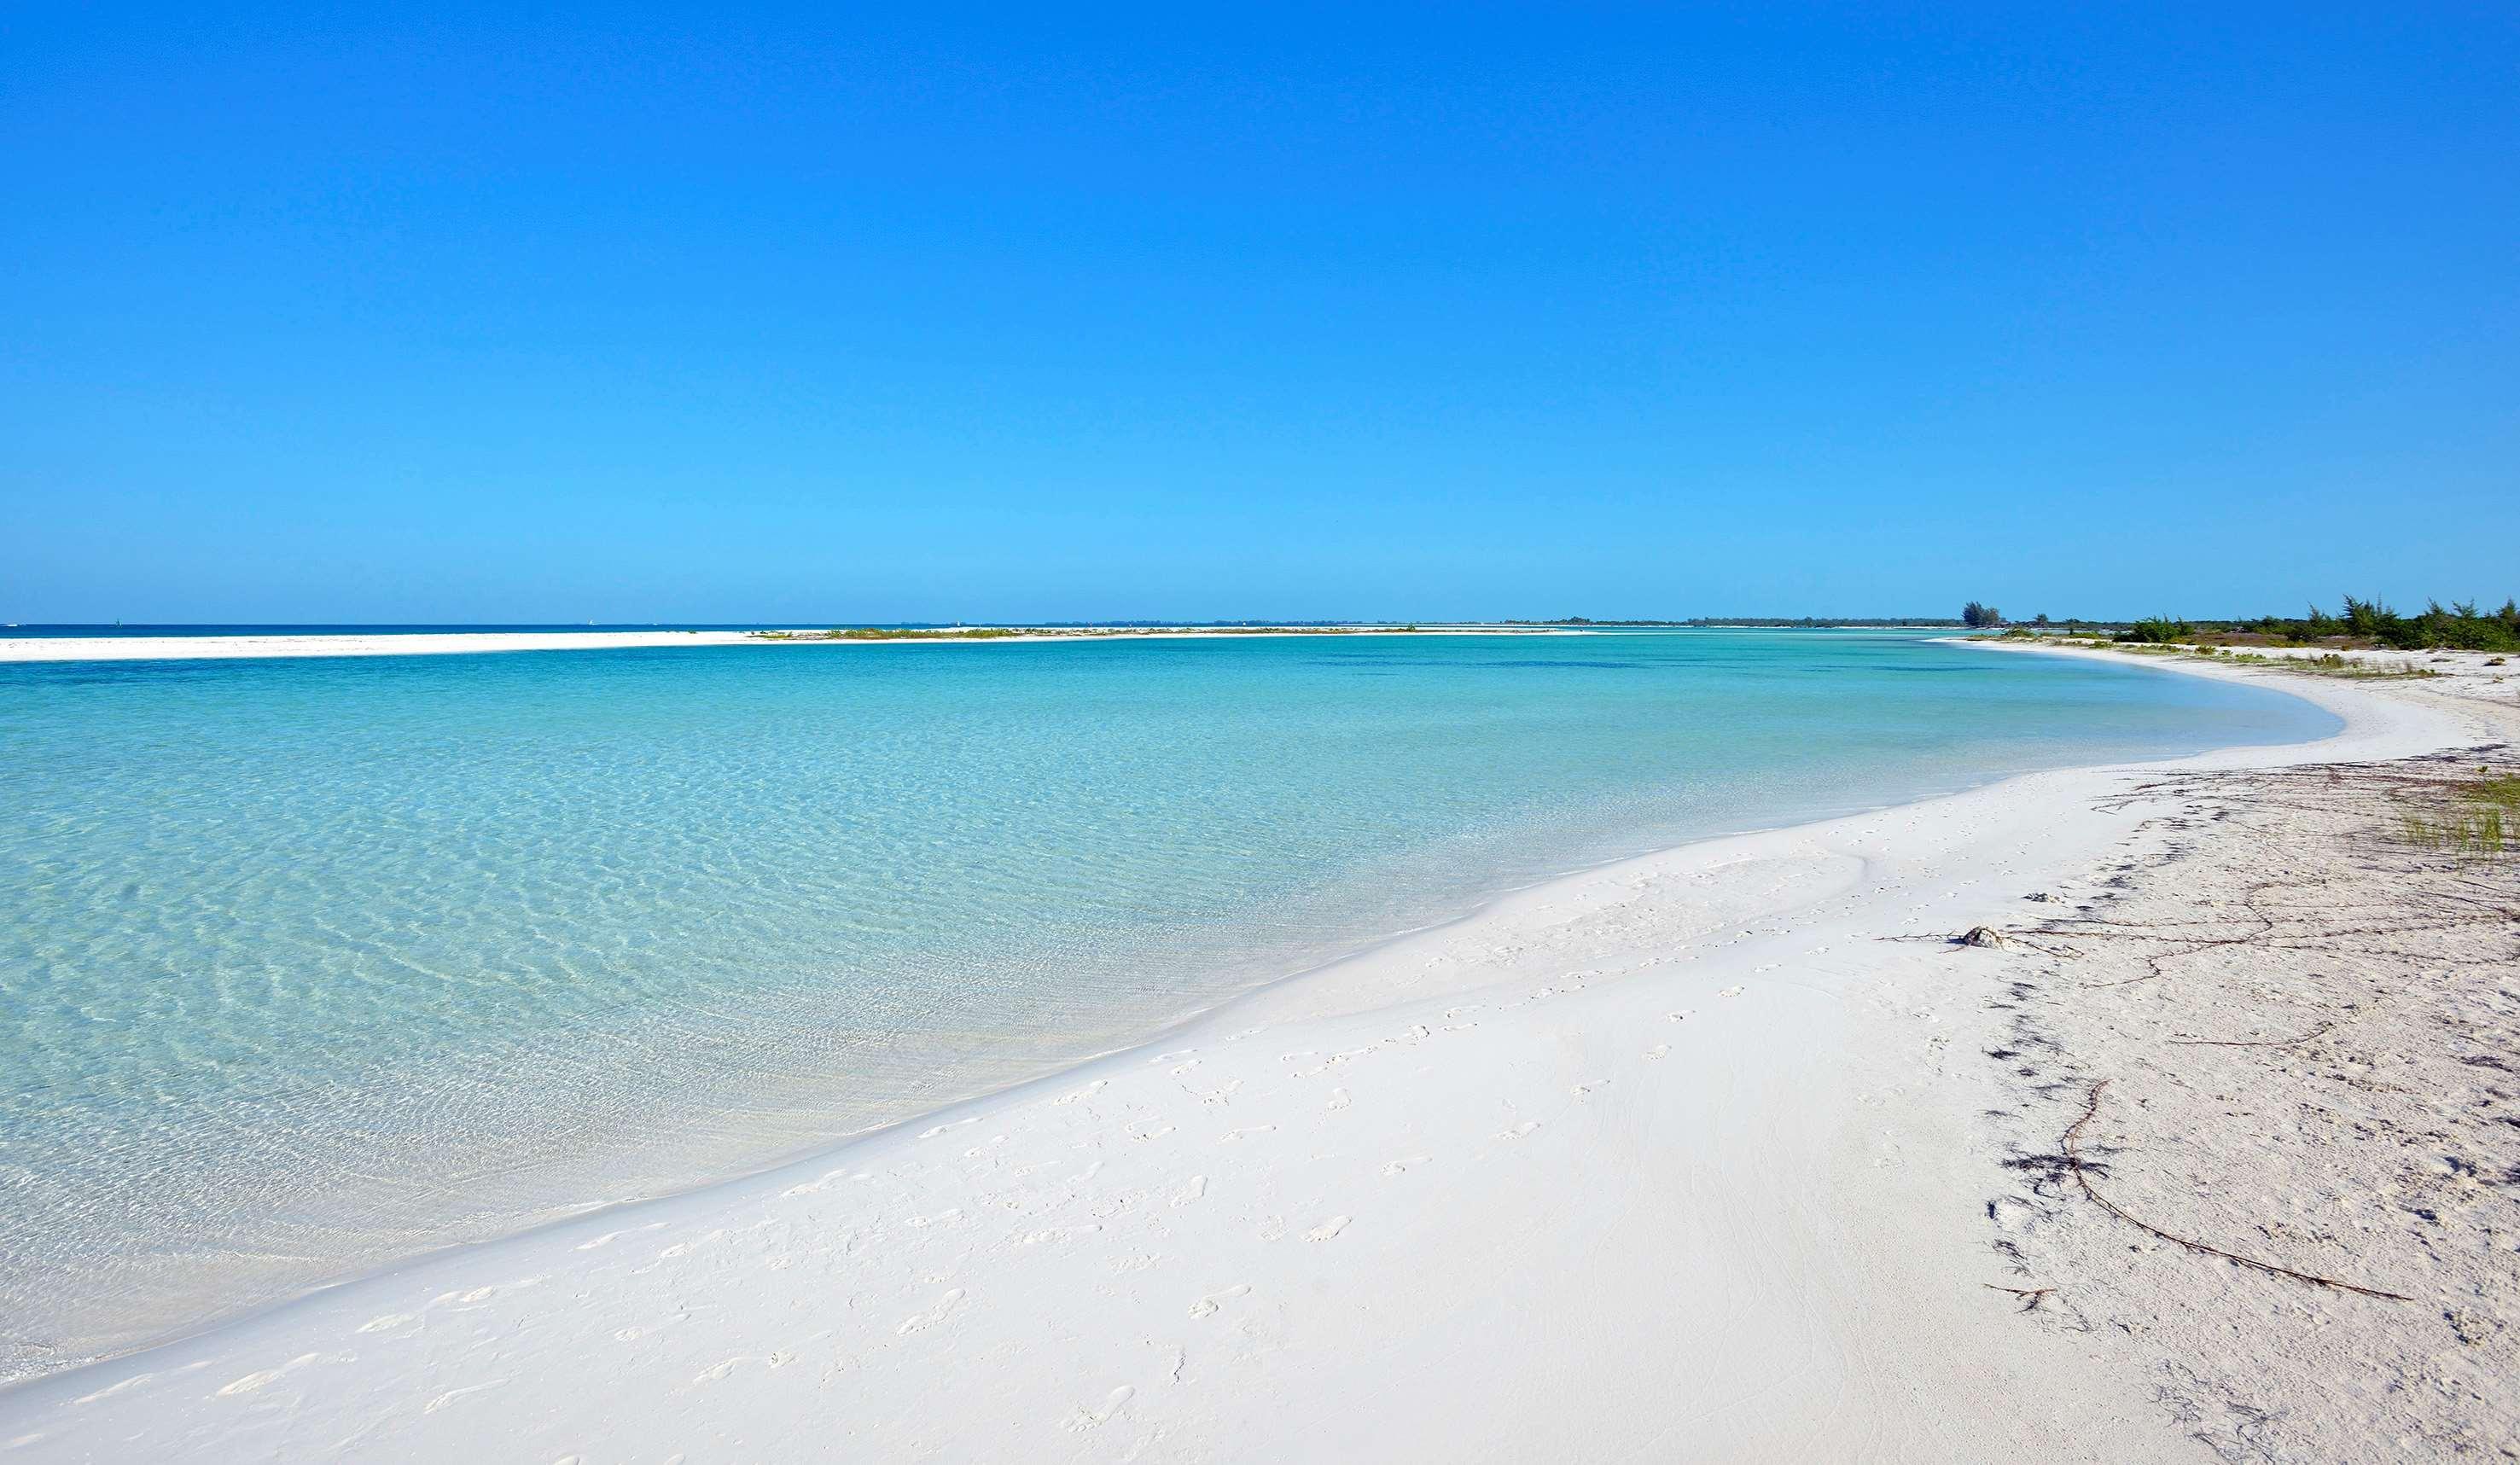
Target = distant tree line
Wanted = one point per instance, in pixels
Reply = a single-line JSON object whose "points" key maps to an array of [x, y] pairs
{"points": [[2461, 625]]}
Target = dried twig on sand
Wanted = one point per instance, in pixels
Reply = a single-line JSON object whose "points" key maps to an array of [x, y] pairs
{"points": [[2323, 1030], [2029, 1296], [2074, 1163]]}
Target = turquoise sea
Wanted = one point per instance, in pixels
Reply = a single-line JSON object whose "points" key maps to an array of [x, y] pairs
{"points": [[306, 965]]}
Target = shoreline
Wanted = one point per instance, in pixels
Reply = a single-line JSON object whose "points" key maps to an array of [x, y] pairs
{"points": [[276, 646], [1782, 876], [1161, 1034]]}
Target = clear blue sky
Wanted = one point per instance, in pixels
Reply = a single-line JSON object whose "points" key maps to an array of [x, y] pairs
{"points": [[743, 312]]}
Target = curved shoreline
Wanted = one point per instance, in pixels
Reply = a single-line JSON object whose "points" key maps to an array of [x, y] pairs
{"points": [[1763, 878], [1216, 1008]]}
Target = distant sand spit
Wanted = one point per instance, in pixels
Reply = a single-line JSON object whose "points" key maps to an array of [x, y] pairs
{"points": [[462, 643]]}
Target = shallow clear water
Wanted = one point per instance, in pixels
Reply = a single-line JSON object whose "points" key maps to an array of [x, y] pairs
{"points": [[307, 965]]}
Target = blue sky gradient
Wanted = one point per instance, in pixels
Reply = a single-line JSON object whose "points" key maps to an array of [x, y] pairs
{"points": [[765, 314]]}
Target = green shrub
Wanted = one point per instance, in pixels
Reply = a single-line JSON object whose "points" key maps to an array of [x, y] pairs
{"points": [[2157, 630]]}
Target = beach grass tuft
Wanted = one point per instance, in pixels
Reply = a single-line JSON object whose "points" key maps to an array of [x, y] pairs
{"points": [[2475, 819]]}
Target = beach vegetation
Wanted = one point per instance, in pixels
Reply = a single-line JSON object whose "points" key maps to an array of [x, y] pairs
{"points": [[2158, 630], [2478, 817], [891, 633], [2335, 664], [1979, 617], [2460, 626], [2358, 624]]}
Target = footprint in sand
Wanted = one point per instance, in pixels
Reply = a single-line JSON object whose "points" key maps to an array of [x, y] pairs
{"points": [[922, 1321], [1206, 1305], [1682, 1016], [1338, 1099], [1734, 990], [1230, 1136], [1406, 1164], [110, 1390], [1328, 1228], [951, 1125], [388, 1322], [1193, 1189], [254, 1383], [1086, 1093], [677, 1248], [452, 1394], [1088, 1419], [1587, 1091], [1059, 1233], [1519, 1130], [1658, 1050]]}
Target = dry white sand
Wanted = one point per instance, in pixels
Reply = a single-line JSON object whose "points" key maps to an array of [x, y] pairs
{"points": [[1678, 1159], [414, 643]]}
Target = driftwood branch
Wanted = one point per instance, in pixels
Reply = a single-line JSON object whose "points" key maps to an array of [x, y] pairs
{"points": [[2074, 1163]]}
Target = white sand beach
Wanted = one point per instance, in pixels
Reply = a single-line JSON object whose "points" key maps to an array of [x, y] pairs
{"points": [[1701, 1156], [412, 643]]}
